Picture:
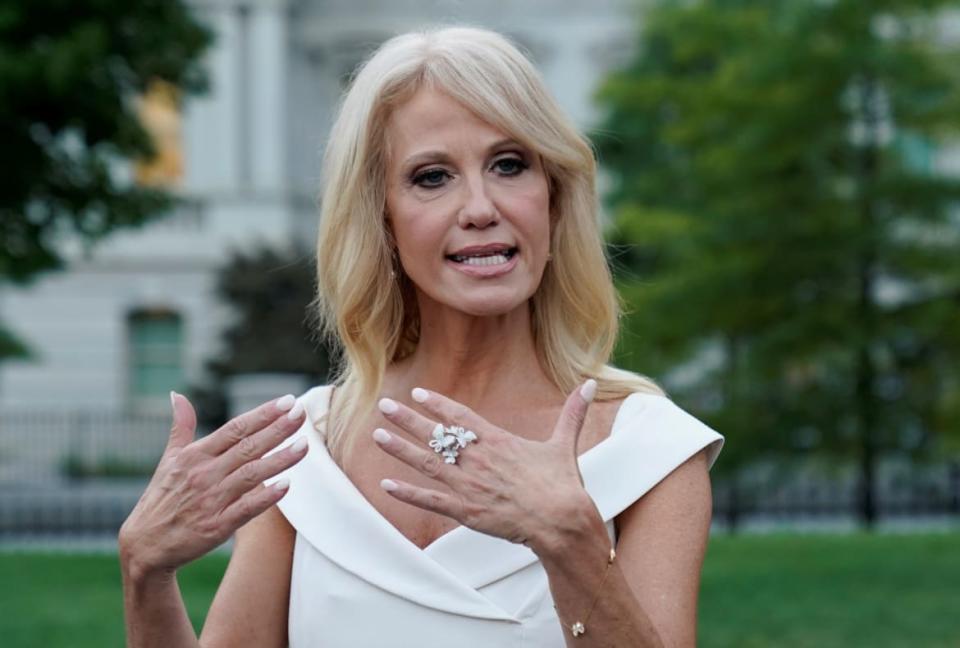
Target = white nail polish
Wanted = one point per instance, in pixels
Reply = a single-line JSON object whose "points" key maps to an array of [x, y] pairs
{"points": [[295, 413], [285, 402], [388, 484], [589, 390], [387, 406], [297, 446], [381, 436], [419, 395], [282, 484]]}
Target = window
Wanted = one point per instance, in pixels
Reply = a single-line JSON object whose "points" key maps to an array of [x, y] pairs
{"points": [[155, 339]]}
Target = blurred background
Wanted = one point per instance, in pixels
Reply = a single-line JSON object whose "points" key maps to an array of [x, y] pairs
{"points": [[781, 199]]}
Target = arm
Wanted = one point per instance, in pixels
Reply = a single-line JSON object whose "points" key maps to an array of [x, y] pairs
{"points": [[201, 492], [250, 608], [649, 597]]}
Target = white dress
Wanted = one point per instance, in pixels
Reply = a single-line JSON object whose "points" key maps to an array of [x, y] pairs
{"points": [[357, 582]]}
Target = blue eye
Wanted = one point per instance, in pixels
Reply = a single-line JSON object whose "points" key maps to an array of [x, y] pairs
{"points": [[510, 166], [431, 178]]}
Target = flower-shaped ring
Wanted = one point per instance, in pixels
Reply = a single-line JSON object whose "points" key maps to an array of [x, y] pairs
{"points": [[447, 440]]}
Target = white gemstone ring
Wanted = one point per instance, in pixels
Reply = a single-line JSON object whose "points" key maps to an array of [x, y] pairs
{"points": [[448, 440]]}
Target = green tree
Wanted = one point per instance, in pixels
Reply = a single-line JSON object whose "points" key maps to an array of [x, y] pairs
{"points": [[782, 228], [69, 73], [270, 292]]}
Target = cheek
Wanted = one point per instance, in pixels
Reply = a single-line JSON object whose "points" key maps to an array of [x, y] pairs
{"points": [[533, 210]]}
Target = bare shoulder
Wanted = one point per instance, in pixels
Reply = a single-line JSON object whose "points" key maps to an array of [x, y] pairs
{"points": [[251, 604]]}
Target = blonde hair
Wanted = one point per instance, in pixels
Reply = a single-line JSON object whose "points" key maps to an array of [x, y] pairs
{"points": [[370, 313]]}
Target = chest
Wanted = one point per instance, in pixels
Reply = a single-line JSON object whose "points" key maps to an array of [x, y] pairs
{"points": [[366, 465]]}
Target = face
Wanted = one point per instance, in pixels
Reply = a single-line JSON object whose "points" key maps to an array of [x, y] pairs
{"points": [[468, 206]]}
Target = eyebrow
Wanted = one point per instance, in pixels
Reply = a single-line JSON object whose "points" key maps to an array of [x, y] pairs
{"points": [[441, 156]]}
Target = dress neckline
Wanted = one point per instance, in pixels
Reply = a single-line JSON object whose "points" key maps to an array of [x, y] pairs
{"points": [[364, 503]]}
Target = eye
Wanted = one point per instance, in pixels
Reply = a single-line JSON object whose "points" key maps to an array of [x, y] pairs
{"points": [[430, 178], [510, 166]]}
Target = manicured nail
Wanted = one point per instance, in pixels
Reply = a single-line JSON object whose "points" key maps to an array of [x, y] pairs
{"points": [[381, 436], [285, 402], [295, 413], [282, 484], [589, 390], [388, 484], [419, 395], [387, 406], [299, 445]]}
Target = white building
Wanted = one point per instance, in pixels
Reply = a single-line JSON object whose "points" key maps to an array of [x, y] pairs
{"points": [[137, 317]]}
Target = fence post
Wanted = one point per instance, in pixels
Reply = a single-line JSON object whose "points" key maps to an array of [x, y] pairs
{"points": [[954, 480], [733, 502]]}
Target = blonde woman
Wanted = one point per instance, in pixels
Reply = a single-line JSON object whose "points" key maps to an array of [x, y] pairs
{"points": [[478, 475]]}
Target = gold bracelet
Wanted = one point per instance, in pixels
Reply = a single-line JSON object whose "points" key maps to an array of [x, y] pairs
{"points": [[580, 627]]}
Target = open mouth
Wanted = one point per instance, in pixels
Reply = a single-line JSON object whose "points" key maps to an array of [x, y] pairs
{"points": [[484, 258]]}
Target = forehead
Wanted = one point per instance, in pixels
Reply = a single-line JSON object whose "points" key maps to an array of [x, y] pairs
{"points": [[433, 120]]}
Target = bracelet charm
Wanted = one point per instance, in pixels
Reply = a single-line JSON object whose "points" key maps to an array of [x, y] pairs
{"points": [[579, 627]]}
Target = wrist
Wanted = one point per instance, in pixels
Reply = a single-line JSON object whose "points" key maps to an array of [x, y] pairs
{"points": [[135, 567], [575, 525]]}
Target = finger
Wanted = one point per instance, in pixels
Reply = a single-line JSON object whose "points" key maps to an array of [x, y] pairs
{"points": [[425, 498], [250, 475], [426, 461], [244, 425], [254, 446], [253, 504], [570, 423], [184, 424], [407, 419], [449, 411]]}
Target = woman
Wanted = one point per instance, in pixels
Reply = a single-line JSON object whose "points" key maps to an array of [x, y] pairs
{"points": [[441, 501]]}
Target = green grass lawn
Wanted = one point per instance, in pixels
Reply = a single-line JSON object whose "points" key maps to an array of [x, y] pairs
{"points": [[784, 590]]}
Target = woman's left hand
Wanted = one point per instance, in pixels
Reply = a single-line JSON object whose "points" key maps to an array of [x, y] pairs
{"points": [[504, 485]]}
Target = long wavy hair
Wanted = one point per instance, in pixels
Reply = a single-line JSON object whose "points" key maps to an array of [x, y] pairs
{"points": [[367, 306]]}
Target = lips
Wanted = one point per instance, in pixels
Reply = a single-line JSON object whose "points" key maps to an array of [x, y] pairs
{"points": [[483, 255]]}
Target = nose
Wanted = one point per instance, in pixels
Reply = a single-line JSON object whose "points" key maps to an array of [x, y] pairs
{"points": [[478, 210]]}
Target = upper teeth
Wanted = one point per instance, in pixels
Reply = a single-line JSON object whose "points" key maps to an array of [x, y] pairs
{"points": [[493, 259], [483, 258]]}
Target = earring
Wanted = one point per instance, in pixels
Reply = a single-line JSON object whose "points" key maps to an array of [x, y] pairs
{"points": [[394, 263]]}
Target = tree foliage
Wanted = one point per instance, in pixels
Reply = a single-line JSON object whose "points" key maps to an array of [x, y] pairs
{"points": [[269, 291], [70, 71], [784, 230]]}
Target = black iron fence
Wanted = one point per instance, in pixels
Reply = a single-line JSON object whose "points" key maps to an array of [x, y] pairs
{"points": [[82, 472]]}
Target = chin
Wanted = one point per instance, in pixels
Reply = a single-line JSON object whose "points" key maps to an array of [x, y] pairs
{"points": [[487, 303]]}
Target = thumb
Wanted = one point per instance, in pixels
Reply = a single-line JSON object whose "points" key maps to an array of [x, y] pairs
{"points": [[574, 413], [184, 421]]}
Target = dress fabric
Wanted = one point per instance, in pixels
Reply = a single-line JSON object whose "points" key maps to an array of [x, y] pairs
{"points": [[357, 582]]}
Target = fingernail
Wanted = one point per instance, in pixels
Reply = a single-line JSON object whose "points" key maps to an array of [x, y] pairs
{"points": [[173, 402], [387, 406], [381, 436], [295, 413], [298, 446], [589, 390], [388, 484], [285, 402], [282, 484], [419, 395]]}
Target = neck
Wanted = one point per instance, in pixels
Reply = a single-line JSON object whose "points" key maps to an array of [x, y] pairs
{"points": [[477, 360]]}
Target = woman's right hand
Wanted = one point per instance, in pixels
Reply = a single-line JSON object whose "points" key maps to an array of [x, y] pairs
{"points": [[202, 491]]}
